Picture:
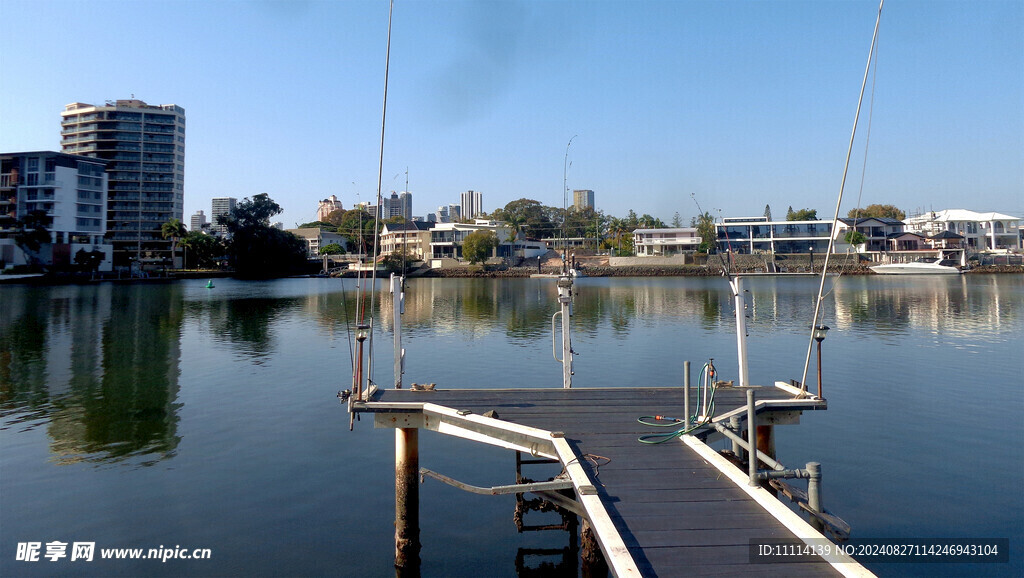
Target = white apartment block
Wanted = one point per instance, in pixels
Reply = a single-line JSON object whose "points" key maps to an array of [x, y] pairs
{"points": [[71, 190], [221, 206]]}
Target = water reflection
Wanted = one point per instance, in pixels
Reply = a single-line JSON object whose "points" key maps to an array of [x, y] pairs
{"points": [[97, 365]]}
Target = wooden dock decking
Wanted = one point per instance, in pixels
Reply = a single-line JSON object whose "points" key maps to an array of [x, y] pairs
{"points": [[676, 509]]}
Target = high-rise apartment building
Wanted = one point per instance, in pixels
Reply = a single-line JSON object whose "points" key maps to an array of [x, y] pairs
{"points": [[198, 223], [326, 207], [221, 206], [405, 198], [144, 146], [472, 204], [582, 199], [70, 190]]}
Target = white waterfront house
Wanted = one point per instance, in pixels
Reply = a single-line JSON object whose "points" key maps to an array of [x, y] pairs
{"points": [[981, 231], [317, 238], [446, 241], [665, 242]]}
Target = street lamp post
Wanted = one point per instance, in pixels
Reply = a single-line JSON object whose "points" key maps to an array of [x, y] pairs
{"points": [[819, 336], [812, 258]]}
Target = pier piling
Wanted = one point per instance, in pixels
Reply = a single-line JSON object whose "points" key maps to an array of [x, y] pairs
{"points": [[407, 503]]}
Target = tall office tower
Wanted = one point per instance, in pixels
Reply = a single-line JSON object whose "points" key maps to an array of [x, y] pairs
{"points": [[220, 206], [327, 206], [405, 198], [472, 204], [583, 199], [198, 222], [454, 213], [144, 146], [393, 206]]}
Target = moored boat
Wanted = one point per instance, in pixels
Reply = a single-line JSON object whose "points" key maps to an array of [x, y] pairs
{"points": [[921, 267]]}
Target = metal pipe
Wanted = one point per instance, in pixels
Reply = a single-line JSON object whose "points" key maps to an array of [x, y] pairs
{"points": [[814, 486], [741, 329], [686, 392], [742, 444], [751, 438], [734, 427], [407, 502]]}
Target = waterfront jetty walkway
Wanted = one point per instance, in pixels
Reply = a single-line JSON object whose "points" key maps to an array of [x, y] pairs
{"points": [[670, 509]]}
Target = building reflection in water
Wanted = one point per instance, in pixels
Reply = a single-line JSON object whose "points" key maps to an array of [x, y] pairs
{"points": [[98, 365]]}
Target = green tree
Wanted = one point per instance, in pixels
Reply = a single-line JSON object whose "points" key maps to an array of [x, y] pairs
{"points": [[529, 217], [318, 225], [477, 246], [256, 249], [202, 250], [174, 230], [677, 221], [705, 225], [878, 212], [332, 249], [357, 228], [768, 212], [855, 237], [802, 215], [33, 232]]}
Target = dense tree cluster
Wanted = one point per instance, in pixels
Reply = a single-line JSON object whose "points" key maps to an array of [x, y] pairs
{"points": [[256, 249]]}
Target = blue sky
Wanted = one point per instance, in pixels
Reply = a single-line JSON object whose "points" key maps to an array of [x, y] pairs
{"points": [[740, 104]]}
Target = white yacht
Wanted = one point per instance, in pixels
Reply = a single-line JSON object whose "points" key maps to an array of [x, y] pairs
{"points": [[919, 267]]}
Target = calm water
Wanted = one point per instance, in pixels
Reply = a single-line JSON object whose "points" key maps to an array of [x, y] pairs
{"points": [[174, 415]]}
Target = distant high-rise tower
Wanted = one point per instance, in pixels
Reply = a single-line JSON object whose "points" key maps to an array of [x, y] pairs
{"points": [[198, 223], [144, 146], [221, 206], [472, 204], [327, 206], [454, 213], [405, 198], [583, 199]]}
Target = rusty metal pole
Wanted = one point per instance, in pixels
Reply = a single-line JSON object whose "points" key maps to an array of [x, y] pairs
{"points": [[407, 503]]}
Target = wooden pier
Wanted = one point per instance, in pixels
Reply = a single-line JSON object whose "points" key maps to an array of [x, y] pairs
{"points": [[657, 509]]}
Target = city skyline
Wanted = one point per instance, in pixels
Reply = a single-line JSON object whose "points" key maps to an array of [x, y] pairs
{"points": [[738, 104]]}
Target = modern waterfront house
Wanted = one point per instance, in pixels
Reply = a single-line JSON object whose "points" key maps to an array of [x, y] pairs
{"points": [[144, 146], [758, 235], [71, 190], [665, 242]]}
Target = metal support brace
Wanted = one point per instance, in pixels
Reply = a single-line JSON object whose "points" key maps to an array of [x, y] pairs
{"points": [[547, 490]]}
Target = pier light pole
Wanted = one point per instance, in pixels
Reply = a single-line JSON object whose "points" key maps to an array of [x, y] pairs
{"points": [[819, 336], [812, 258]]}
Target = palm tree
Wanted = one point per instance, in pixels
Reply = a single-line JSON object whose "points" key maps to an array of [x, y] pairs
{"points": [[173, 229]]}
